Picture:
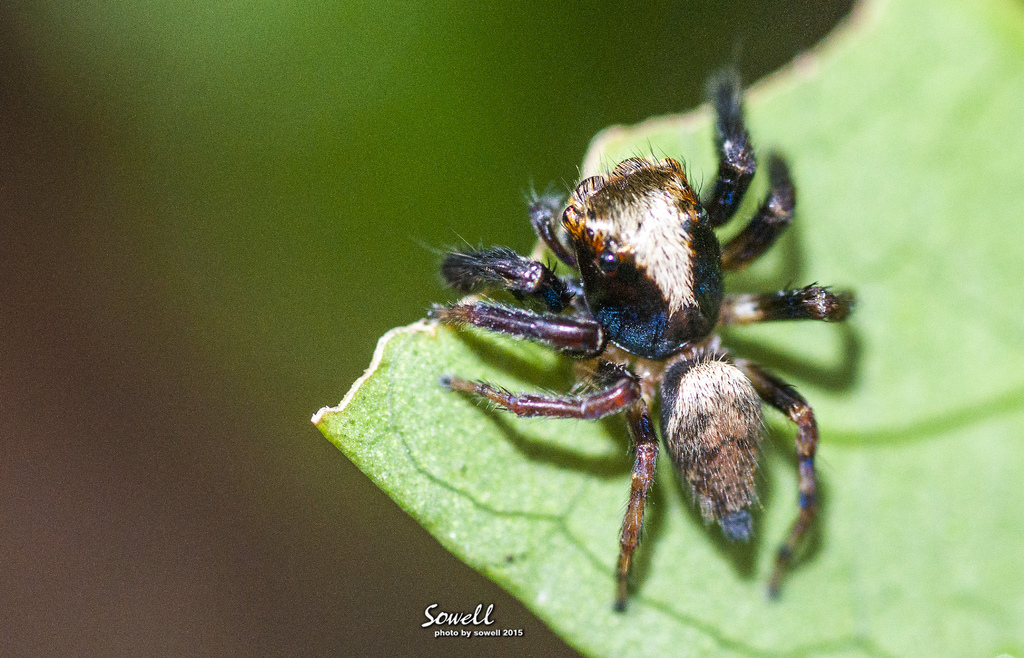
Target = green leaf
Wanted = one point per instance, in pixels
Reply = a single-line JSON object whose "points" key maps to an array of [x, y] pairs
{"points": [[905, 132]]}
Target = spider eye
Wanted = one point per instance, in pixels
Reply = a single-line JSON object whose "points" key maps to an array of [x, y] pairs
{"points": [[608, 262]]}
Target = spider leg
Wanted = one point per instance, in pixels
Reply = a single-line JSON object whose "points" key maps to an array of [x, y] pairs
{"points": [[573, 335], [545, 213], [645, 444], [772, 218], [781, 395], [736, 163], [500, 267], [808, 303], [620, 391]]}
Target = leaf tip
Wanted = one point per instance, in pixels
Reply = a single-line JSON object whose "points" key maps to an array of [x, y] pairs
{"points": [[423, 325]]}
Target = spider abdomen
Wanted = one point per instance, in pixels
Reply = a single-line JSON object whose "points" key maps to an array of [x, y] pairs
{"points": [[711, 421]]}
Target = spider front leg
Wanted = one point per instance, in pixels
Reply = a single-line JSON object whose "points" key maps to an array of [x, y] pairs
{"points": [[575, 336], [808, 303], [500, 267], [781, 395], [736, 164]]}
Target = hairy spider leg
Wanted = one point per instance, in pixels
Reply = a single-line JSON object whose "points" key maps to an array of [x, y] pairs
{"points": [[575, 336], [772, 218], [623, 392], [781, 395], [545, 213], [736, 163], [613, 398], [645, 445], [500, 267], [572, 336], [808, 303]]}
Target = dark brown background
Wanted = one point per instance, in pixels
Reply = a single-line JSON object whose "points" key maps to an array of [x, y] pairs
{"points": [[208, 214]]}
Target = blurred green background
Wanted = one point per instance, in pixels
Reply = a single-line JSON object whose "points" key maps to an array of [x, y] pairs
{"points": [[210, 212]]}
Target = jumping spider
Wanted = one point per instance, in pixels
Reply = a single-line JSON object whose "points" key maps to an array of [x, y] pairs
{"points": [[644, 309]]}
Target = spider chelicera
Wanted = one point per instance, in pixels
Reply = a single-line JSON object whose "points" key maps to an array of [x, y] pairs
{"points": [[644, 308]]}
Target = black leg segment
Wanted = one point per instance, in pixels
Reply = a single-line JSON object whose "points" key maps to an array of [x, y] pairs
{"points": [[736, 164], [781, 395], [771, 220], [574, 336], [500, 267]]}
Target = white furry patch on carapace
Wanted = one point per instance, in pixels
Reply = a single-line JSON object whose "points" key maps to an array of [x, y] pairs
{"points": [[654, 227]]}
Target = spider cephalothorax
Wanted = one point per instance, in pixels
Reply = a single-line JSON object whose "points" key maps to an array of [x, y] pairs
{"points": [[644, 308], [647, 255]]}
